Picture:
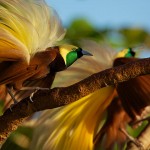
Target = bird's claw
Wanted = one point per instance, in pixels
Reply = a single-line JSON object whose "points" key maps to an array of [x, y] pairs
{"points": [[36, 89], [32, 94]]}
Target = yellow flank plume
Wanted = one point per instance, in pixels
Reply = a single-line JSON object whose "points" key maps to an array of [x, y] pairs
{"points": [[72, 127], [28, 26]]}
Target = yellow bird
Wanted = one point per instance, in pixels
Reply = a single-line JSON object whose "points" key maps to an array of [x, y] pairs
{"points": [[29, 32]]}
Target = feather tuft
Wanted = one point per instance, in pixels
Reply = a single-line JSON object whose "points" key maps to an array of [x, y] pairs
{"points": [[32, 26]]}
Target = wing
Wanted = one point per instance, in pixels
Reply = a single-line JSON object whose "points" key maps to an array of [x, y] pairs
{"points": [[37, 74], [135, 93], [18, 72]]}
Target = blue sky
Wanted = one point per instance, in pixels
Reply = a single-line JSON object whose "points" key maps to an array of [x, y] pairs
{"points": [[105, 13]]}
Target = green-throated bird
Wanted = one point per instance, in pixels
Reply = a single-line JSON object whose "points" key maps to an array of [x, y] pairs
{"points": [[29, 31]]}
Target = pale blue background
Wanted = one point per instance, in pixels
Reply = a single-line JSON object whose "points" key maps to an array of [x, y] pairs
{"points": [[109, 13]]}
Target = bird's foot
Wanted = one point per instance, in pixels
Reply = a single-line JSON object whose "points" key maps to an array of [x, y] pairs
{"points": [[9, 89], [35, 90], [32, 94], [132, 139]]}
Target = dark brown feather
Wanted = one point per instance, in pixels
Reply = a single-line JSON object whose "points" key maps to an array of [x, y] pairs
{"points": [[134, 93], [134, 96], [110, 133], [19, 72]]}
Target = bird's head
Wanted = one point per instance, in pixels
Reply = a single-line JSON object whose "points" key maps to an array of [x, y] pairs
{"points": [[71, 53], [128, 52], [124, 56]]}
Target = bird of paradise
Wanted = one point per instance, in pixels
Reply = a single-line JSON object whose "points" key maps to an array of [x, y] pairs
{"points": [[29, 32]]}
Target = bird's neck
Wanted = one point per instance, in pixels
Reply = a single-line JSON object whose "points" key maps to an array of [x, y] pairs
{"points": [[58, 64]]}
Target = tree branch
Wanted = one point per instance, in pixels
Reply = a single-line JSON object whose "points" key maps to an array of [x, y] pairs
{"points": [[61, 96]]}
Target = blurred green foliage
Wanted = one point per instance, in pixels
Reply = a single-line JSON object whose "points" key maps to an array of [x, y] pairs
{"points": [[19, 140], [124, 37], [81, 28]]}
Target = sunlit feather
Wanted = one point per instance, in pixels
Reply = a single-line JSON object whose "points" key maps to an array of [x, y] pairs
{"points": [[32, 26]]}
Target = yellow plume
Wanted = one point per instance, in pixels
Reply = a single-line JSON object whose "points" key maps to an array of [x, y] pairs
{"points": [[73, 127], [28, 26]]}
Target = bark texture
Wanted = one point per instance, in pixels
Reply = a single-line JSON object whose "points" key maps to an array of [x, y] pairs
{"points": [[57, 97]]}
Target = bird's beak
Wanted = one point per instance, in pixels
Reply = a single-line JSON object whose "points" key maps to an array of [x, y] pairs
{"points": [[86, 53]]}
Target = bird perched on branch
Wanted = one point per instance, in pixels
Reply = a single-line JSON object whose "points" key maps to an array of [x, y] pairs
{"points": [[77, 125], [132, 102], [29, 32]]}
